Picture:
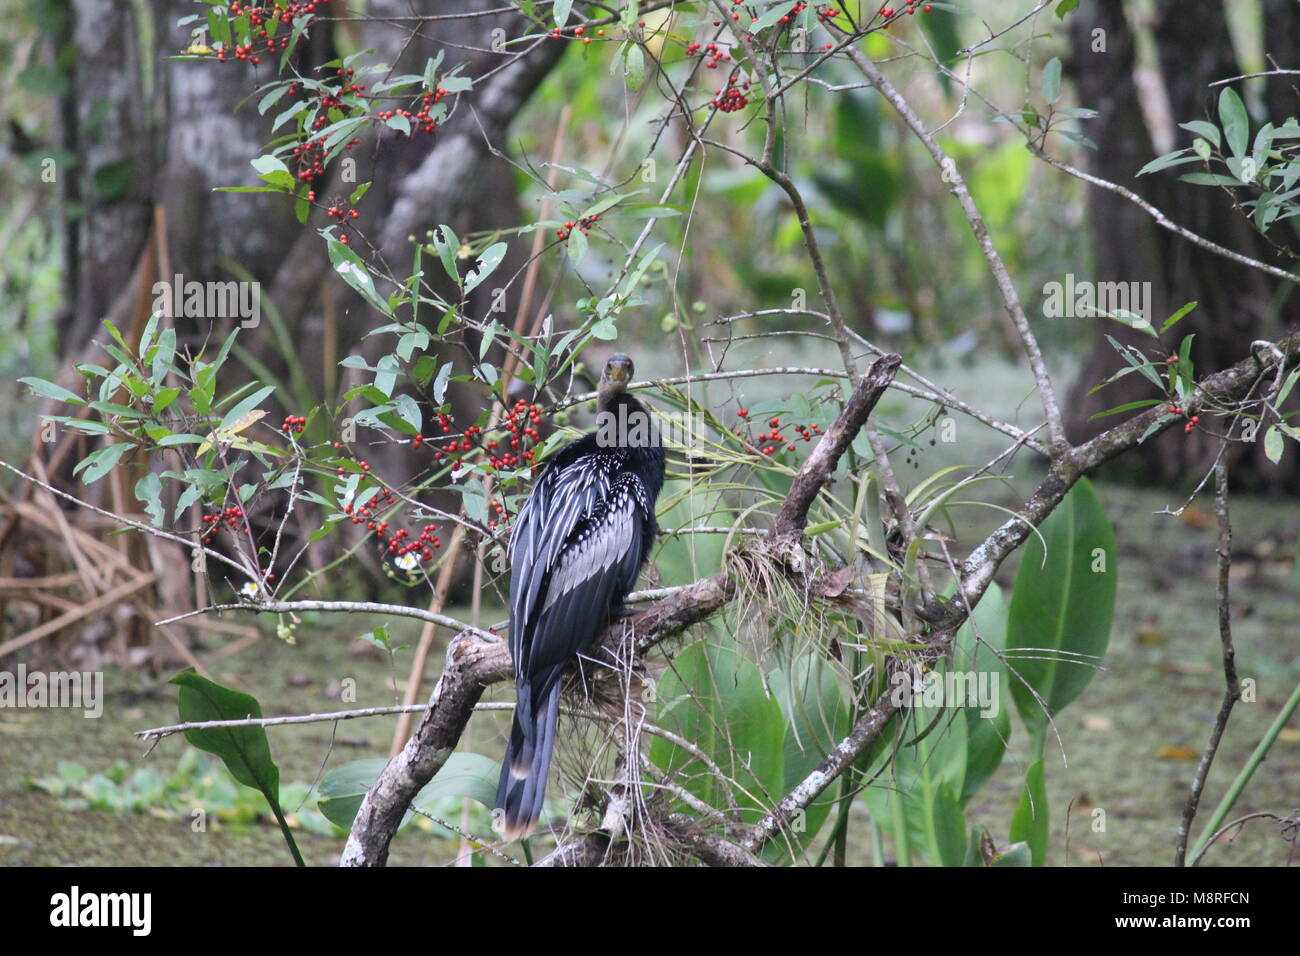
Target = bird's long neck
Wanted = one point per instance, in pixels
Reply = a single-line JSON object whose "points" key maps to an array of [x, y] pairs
{"points": [[629, 422]]}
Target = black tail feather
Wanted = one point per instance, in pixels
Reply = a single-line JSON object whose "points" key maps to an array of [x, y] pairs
{"points": [[522, 789]]}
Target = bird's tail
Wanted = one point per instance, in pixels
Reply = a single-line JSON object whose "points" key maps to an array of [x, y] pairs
{"points": [[527, 762]]}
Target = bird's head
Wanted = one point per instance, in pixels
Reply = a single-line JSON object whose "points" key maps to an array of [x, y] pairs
{"points": [[614, 379]]}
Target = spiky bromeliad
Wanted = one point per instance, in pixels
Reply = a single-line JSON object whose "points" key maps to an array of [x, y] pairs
{"points": [[579, 543]]}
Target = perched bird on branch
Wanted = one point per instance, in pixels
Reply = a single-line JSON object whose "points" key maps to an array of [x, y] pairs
{"points": [[578, 545]]}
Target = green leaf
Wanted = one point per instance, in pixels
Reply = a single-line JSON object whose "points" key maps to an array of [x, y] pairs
{"points": [[353, 271], [1236, 124], [1209, 179], [1285, 391], [1132, 320], [249, 403], [1177, 316], [1064, 7], [244, 750], [1017, 854], [1177, 158], [928, 775], [1207, 130], [1061, 607], [463, 775], [987, 736], [487, 262], [816, 720], [1031, 819], [714, 697], [440, 383], [634, 68], [99, 463], [577, 245], [50, 390], [561, 10], [1127, 407], [149, 490], [1273, 444], [1052, 80], [448, 245]]}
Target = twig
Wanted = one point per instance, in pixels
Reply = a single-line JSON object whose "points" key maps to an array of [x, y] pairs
{"points": [[1232, 689]]}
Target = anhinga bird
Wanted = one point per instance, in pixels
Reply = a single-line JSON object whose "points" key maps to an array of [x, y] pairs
{"points": [[578, 545]]}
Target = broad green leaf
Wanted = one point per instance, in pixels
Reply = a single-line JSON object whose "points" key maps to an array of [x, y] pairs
{"points": [[149, 490], [1030, 822], [1202, 128], [1061, 607], [245, 751], [99, 463], [1236, 124], [1052, 80], [487, 262], [1176, 158], [714, 697], [50, 390], [463, 775], [987, 736], [1273, 444], [815, 721], [1017, 854], [683, 558]]}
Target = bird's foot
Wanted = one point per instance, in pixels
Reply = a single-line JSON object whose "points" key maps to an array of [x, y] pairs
{"points": [[622, 612]]}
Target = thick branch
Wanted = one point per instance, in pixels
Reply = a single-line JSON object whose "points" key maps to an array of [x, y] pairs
{"points": [[818, 466], [978, 569]]}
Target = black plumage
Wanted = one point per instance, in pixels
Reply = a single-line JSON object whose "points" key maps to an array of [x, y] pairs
{"points": [[579, 543]]}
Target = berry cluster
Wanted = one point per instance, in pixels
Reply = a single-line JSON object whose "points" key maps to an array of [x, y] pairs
{"points": [[398, 542], [797, 9], [583, 224], [578, 32], [262, 20], [805, 432], [500, 509], [231, 517], [713, 54], [1192, 420], [293, 423], [343, 214], [420, 120], [888, 12], [732, 98]]}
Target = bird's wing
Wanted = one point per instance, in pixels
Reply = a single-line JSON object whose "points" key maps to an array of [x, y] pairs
{"points": [[594, 571], [564, 496]]}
